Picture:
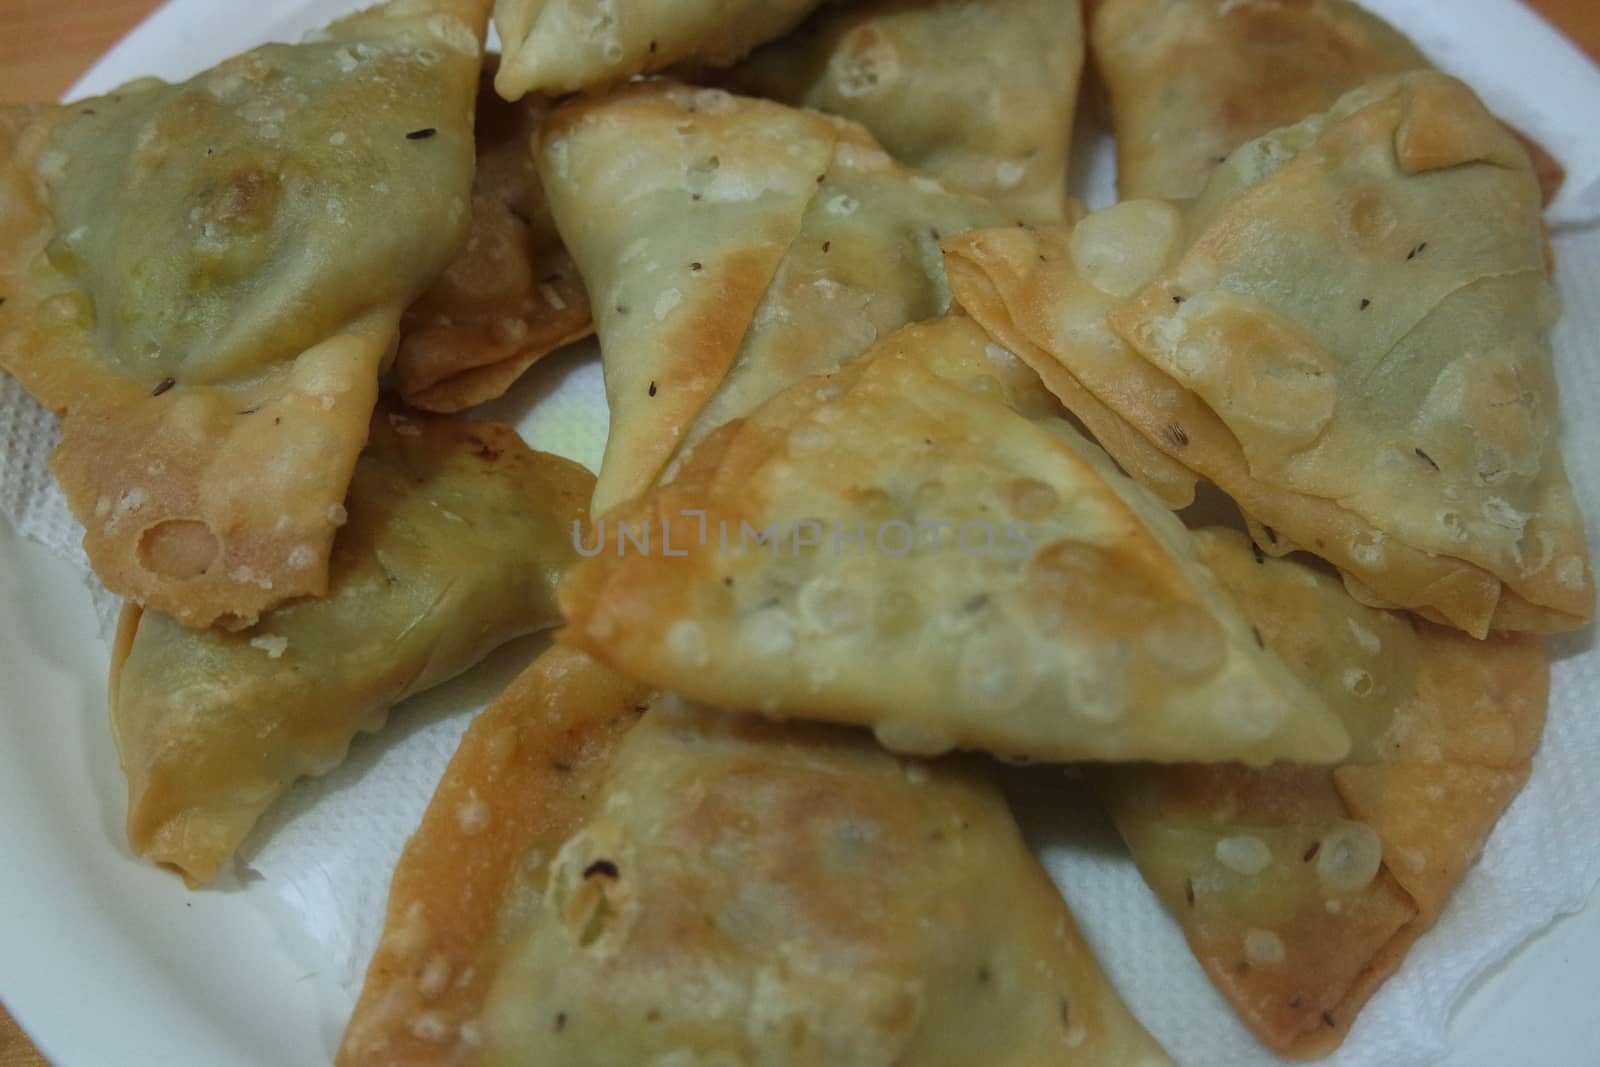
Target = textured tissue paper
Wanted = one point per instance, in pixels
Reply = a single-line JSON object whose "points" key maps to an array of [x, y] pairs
{"points": [[324, 856]]}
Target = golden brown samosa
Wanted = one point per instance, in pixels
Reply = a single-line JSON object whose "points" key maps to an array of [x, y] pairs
{"points": [[593, 888], [450, 544], [1349, 333], [1268, 63], [919, 544], [978, 93], [1301, 889], [1189, 81], [731, 247], [206, 279]]}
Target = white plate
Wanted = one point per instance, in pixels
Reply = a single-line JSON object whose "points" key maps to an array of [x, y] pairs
{"points": [[108, 962]]}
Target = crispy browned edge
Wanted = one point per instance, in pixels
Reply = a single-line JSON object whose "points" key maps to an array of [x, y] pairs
{"points": [[529, 763]]}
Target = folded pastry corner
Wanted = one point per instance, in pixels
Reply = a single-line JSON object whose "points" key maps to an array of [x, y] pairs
{"points": [[918, 544], [1302, 889], [1040, 292], [560, 46], [450, 543], [980, 94], [513, 295], [204, 280], [745, 245], [1348, 332], [592, 887]]}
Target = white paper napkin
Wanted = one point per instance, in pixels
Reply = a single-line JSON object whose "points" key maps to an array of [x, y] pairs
{"points": [[327, 851]]}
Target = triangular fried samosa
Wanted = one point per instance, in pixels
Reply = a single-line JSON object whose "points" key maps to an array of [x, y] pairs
{"points": [[1349, 333], [980, 94], [731, 247], [590, 888], [451, 542], [205, 280], [918, 544], [1301, 889]]}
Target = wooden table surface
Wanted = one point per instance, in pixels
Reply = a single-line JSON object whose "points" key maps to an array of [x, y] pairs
{"points": [[46, 44]]}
